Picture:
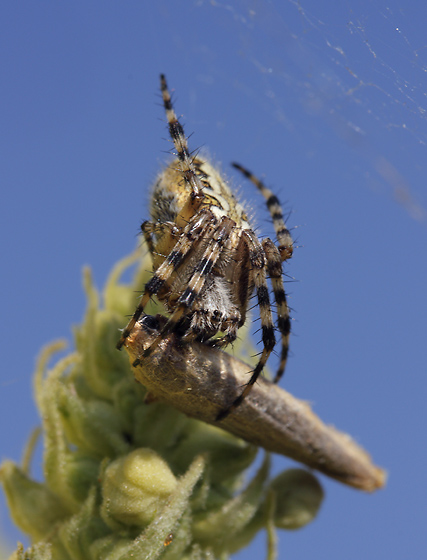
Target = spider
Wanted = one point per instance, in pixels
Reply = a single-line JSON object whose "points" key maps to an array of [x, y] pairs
{"points": [[207, 259]]}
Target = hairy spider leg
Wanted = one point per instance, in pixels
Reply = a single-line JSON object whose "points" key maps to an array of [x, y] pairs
{"points": [[283, 235], [148, 229], [275, 256], [180, 141], [193, 231], [257, 260], [214, 246], [233, 322], [274, 267], [159, 229]]}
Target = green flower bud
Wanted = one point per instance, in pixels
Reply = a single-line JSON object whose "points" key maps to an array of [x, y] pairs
{"points": [[135, 487], [298, 498]]}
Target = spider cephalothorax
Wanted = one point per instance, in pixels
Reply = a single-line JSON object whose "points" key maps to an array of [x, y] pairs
{"points": [[207, 260]]}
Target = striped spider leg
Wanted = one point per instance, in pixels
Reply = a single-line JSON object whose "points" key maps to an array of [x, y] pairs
{"points": [[190, 234], [219, 238], [275, 257]]}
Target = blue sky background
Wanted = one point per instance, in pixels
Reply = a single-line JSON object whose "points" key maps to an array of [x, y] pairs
{"points": [[327, 102]]}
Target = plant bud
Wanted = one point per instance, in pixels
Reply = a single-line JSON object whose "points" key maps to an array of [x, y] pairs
{"points": [[135, 487], [298, 498]]}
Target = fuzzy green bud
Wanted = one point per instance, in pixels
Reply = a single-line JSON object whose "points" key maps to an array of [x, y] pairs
{"points": [[135, 487], [298, 498]]}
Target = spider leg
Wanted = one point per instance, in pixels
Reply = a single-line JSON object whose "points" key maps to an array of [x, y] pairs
{"points": [[216, 244], [164, 231], [274, 267], [193, 231], [227, 323], [147, 229], [283, 235], [180, 141], [257, 259]]}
